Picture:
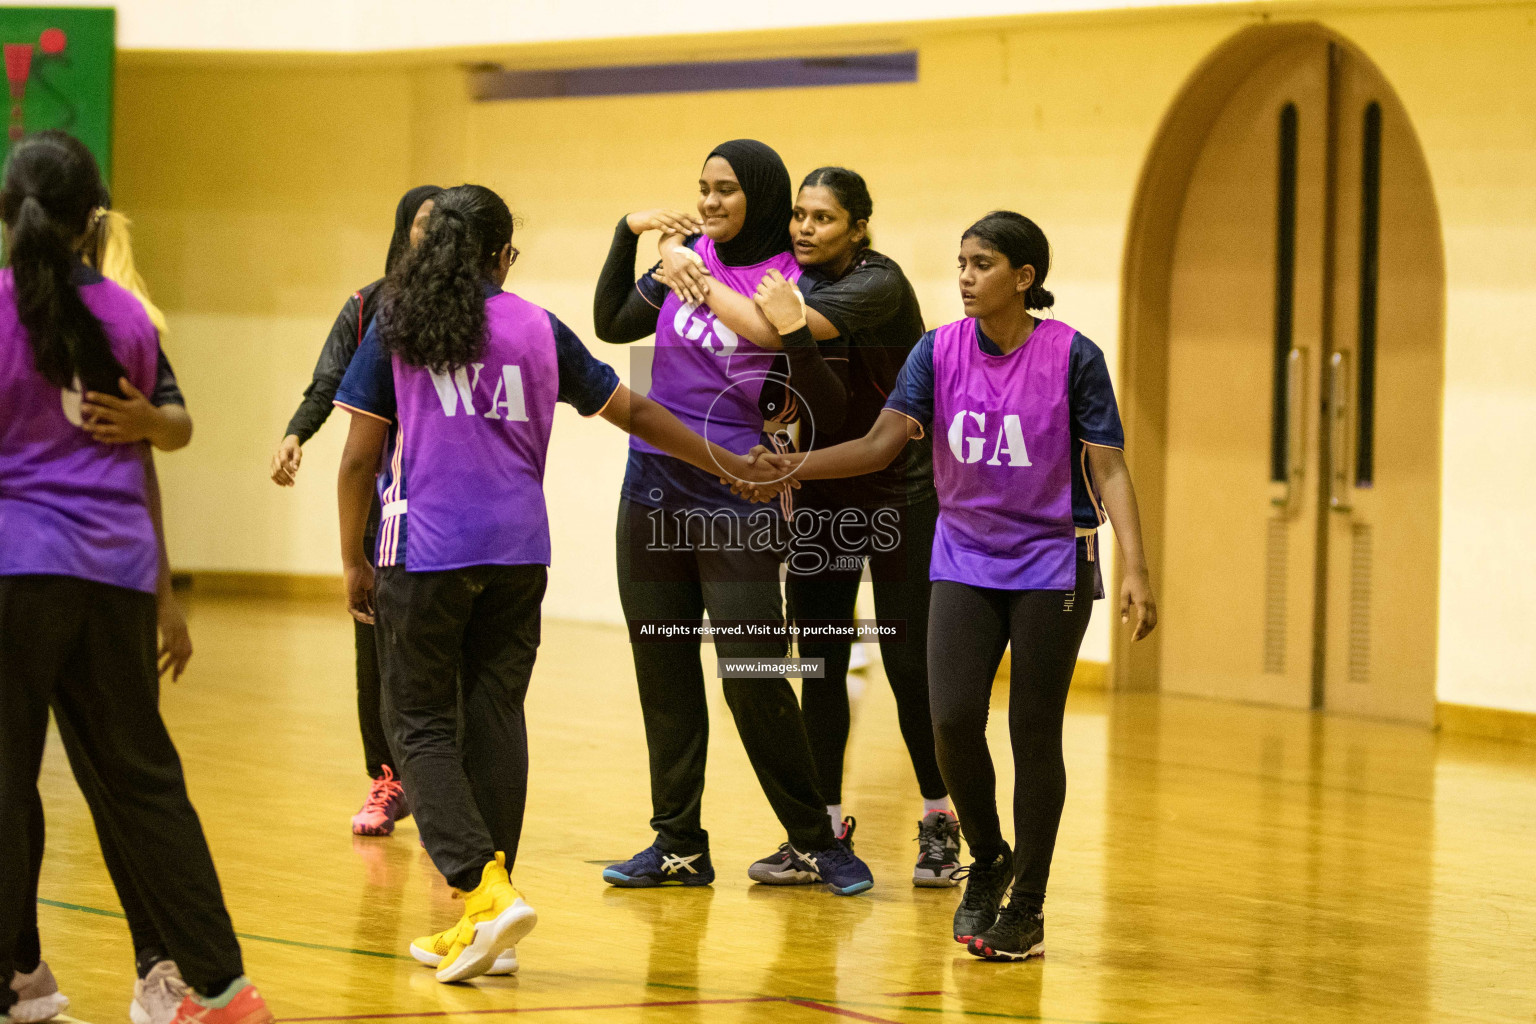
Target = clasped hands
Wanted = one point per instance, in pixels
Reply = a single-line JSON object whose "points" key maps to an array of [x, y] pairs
{"points": [[764, 474]]}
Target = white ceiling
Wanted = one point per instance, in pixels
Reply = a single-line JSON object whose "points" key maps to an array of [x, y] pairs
{"points": [[362, 26]]}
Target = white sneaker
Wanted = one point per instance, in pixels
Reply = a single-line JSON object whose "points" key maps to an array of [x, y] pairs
{"points": [[505, 964], [157, 996], [37, 996]]}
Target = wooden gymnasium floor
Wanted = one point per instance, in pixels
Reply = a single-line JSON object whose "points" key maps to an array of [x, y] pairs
{"points": [[1216, 863]]}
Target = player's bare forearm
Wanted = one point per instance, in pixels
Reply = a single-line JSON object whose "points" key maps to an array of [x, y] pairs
{"points": [[868, 454], [171, 429], [354, 484], [653, 424], [1113, 479]]}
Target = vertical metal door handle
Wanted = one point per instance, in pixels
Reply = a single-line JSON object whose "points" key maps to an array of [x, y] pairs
{"points": [[1338, 434], [1295, 426]]}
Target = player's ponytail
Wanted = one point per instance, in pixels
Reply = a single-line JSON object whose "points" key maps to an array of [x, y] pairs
{"points": [[51, 186], [1023, 243], [433, 311]]}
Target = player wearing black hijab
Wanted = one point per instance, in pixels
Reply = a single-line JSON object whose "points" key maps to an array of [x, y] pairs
{"points": [[687, 545], [386, 801]]}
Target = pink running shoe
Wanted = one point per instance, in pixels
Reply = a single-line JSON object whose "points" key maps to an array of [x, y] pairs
{"points": [[386, 804], [245, 1006]]}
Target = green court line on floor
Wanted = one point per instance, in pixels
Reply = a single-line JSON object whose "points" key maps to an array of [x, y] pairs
{"points": [[294, 943]]}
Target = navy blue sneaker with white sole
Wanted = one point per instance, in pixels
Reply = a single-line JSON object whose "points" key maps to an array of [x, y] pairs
{"points": [[842, 871], [654, 866]]}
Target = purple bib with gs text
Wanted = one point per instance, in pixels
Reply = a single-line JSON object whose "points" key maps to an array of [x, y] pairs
{"points": [[704, 373]]}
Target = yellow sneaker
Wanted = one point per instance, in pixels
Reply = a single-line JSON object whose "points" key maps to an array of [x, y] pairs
{"points": [[431, 949], [495, 918]]}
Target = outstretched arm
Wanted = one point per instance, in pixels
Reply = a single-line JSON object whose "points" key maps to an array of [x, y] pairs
{"points": [[652, 423], [868, 454], [1119, 496]]}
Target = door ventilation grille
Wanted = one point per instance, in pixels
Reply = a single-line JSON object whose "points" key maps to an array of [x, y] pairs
{"points": [[1360, 604], [1275, 585]]}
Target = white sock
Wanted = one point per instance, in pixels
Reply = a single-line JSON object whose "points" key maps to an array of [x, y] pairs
{"points": [[941, 804], [835, 812]]}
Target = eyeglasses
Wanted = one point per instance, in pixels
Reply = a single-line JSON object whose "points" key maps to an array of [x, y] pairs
{"points": [[515, 255]]}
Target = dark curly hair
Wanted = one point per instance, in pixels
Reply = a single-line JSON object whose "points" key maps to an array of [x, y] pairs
{"points": [[1022, 242], [433, 311], [51, 187]]}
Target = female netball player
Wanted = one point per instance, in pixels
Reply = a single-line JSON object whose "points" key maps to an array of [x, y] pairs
{"points": [[863, 316], [77, 605], [461, 378], [1027, 439], [162, 420], [386, 802], [686, 544]]}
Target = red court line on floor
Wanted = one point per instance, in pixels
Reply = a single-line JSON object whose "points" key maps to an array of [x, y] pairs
{"points": [[839, 1011], [539, 1009]]}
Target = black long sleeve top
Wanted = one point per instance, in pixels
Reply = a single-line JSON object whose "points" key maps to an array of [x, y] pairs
{"points": [[335, 356]]}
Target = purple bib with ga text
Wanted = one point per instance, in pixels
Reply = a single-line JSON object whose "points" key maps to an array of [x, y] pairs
{"points": [[1002, 463], [467, 470], [704, 373], [71, 506]]}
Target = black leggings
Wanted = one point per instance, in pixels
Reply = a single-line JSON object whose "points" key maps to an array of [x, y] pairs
{"points": [[968, 628], [822, 582], [673, 566]]}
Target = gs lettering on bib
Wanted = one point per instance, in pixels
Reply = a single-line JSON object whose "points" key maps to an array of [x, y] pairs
{"points": [[1002, 460], [704, 373]]}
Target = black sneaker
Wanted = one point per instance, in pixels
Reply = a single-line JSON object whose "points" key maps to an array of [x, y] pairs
{"points": [[985, 885], [1018, 934], [654, 866], [938, 844], [785, 867], [782, 867]]}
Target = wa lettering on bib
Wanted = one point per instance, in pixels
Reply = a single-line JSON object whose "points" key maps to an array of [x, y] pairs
{"points": [[1002, 460], [467, 472]]}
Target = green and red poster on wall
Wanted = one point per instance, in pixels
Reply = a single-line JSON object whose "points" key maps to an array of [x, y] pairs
{"points": [[58, 67]]}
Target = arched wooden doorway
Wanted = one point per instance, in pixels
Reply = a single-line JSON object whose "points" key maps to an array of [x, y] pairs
{"points": [[1282, 367]]}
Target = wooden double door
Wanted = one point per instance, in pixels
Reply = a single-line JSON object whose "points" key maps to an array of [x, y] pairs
{"points": [[1305, 334]]}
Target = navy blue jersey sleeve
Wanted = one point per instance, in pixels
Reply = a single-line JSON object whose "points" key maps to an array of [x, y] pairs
{"points": [[167, 391], [913, 394], [1095, 414], [369, 384], [586, 382], [650, 289]]}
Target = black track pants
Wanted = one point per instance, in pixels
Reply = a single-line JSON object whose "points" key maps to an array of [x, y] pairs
{"points": [[89, 650], [456, 651], [672, 568]]}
